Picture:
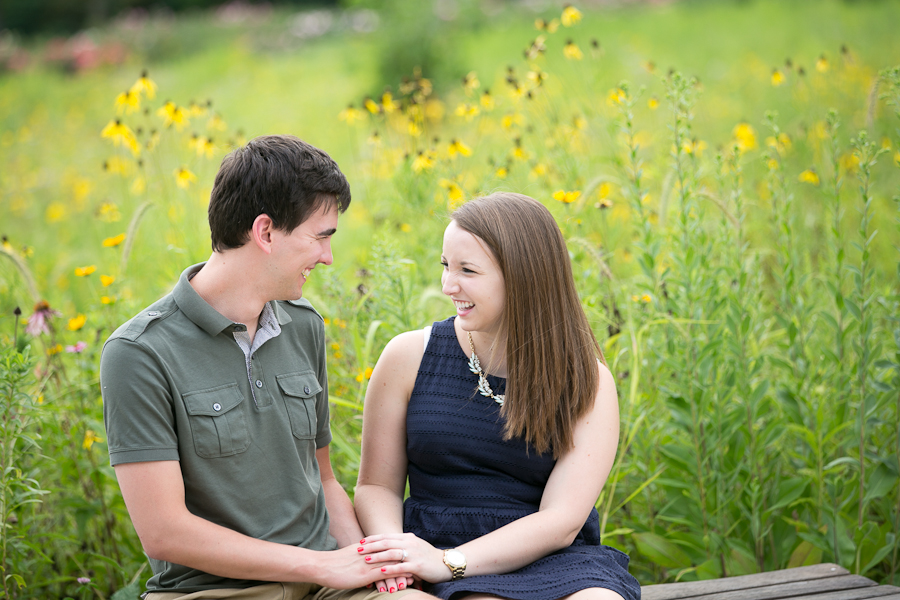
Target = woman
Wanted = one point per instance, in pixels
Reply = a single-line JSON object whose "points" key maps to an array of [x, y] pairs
{"points": [[505, 420]]}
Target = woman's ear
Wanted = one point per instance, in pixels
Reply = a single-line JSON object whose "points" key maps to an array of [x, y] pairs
{"points": [[261, 233]]}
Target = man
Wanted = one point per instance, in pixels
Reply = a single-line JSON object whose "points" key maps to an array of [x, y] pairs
{"points": [[216, 400]]}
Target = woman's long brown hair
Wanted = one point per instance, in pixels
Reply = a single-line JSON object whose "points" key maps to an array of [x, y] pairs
{"points": [[551, 352]]}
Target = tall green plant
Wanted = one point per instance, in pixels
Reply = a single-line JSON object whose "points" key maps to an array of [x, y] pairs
{"points": [[19, 488]]}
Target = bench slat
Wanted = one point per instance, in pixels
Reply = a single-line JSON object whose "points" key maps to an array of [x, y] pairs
{"points": [[691, 589], [863, 593]]}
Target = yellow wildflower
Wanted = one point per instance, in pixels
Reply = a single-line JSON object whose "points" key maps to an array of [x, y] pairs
{"points": [[809, 176], [414, 129], [107, 299], [649, 66], [537, 77], [197, 110], [538, 170], [56, 211], [388, 104], [454, 192], [374, 139], [487, 101], [173, 115], [112, 242], [85, 271], [422, 162], [616, 96], [570, 15], [549, 26], [512, 119], [645, 298], [603, 203], [536, 48], [470, 82], [128, 102], [886, 143], [106, 280], [120, 133], [772, 164], [777, 77], [371, 106], [216, 123], [458, 147], [502, 172], [184, 178], [653, 103], [745, 137], [76, 322], [117, 166], [822, 64], [144, 84], [204, 146], [469, 111], [350, 114], [56, 349], [604, 190], [139, 185], [405, 227], [694, 147], [572, 51], [897, 158], [519, 152], [89, 439], [849, 162], [566, 197], [109, 212]]}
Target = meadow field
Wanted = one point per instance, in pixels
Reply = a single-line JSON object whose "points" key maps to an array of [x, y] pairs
{"points": [[726, 174]]}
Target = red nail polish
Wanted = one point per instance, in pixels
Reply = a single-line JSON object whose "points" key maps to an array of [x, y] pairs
{"points": [[359, 549], [383, 569], [368, 558], [400, 585], [381, 589], [362, 541], [392, 590]]}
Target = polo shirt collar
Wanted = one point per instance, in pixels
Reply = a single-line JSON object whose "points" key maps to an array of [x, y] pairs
{"points": [[201, 313]]}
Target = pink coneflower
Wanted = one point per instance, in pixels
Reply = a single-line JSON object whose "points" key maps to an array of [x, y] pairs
{"points": [[83, 580], [78, 348], [39, 321]]}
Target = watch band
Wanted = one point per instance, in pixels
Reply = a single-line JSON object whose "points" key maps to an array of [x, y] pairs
{"points": [[456, 571]]}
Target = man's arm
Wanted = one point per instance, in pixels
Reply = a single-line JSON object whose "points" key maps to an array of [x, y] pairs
{"points": [[154, 495], [342, 518]]}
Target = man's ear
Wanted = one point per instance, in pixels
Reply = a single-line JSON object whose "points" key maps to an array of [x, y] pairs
{"points": [[261, 233]]}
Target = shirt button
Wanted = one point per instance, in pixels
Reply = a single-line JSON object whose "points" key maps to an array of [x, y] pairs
{"points": [[258, 383], [306, 389], [153, 313], [217, 407]]}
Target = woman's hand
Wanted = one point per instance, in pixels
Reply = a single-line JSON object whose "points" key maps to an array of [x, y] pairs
{"points": [[413, 555]]}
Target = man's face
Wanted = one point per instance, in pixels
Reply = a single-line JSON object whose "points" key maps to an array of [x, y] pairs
{"points": [[296, 254]]}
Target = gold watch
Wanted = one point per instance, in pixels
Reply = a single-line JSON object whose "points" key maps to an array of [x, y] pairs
{"points": [[456, 562]]}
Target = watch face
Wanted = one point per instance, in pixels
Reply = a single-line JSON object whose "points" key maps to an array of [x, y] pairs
{"points": [[455, 558]]}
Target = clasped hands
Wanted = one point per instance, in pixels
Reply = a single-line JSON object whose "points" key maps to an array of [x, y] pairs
{"points": [[407, 559]]}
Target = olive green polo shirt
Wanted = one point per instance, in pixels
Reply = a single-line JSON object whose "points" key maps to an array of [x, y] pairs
{"points": [[177, 386]]}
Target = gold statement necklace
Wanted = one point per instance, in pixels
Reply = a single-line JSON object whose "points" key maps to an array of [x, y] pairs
{"points": [[483, 386]]}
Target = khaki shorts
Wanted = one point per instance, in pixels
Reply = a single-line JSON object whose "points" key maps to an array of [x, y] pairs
{"points": [[287, 591]]}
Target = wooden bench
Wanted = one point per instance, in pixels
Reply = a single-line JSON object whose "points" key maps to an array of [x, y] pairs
{"points": [[818, 582]]}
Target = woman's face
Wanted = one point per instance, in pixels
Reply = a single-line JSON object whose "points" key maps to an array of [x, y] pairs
{"points": [[473, 280]]}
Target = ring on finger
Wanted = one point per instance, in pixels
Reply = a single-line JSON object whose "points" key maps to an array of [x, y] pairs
{"points": [[405, 555]]}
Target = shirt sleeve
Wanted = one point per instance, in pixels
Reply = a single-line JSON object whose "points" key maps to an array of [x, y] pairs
{"points": [[137, 404]]}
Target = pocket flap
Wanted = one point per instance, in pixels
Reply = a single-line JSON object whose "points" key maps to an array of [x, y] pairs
{"points": [[213, 402], [299, 385]]}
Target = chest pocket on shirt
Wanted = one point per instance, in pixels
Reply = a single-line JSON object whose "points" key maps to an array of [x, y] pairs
{"points": [[218, 424], [300, 391]]}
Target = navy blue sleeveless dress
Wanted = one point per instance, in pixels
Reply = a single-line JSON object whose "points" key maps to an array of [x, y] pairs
{"points": [[466, 481]]}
